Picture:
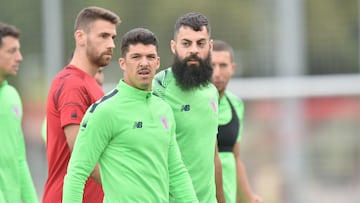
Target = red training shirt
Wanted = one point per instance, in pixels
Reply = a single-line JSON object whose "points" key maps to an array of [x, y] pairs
{"points": [[71, 93]]}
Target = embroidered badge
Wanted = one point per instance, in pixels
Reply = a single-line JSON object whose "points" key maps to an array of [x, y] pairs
{"points": [[16, 111], [213, 105], [164, 122], [73, 115]]}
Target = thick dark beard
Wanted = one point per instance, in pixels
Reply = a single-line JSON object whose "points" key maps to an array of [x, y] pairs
{"points": [[190, 77]]}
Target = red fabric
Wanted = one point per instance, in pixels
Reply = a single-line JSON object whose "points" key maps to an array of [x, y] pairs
{"points": [[71, 93]]}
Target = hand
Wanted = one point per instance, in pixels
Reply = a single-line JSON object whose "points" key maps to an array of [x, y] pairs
{"points": [[257, 198]]}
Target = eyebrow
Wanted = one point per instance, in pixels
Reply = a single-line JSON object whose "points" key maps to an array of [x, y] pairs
{"points": [[107, 34], [140, 54], [185, 39]]}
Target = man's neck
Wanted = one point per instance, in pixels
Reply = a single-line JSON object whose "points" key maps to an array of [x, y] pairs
{"points": [[2, 79], [84, 64], [221, 94]]}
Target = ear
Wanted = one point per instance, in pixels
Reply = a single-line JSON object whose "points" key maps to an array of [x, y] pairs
{"points": [[79, 36], [173, 46], [122, 63], [211, 43], [233, 66], [158, 63]]}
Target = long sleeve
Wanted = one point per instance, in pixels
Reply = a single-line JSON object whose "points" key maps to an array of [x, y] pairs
{"points": [[90, 143], [16, 183], [28, 192], [181, 186]]}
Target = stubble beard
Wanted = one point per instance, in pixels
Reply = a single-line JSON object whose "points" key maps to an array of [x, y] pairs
{"points": [[100, 60], [193, 76]]}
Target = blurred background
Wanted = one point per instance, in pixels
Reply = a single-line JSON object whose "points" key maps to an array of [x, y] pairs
{"points": [[298, 73]]}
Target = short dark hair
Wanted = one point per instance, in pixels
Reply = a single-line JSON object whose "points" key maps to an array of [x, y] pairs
{"points": [[90, 14], [219, 45], [8, 30], [194, 20], [136, 36]]}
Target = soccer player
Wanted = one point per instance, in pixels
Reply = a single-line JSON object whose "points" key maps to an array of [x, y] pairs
{"points": [[131, 134], [99, 77], [231, 111], [72, 91], [187, 87], [16, 184]]}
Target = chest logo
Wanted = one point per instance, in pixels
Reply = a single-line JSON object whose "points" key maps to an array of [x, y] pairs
{"points": [[185, 107], [138, 124], [213, 105], [164, 122], [16, 111]]}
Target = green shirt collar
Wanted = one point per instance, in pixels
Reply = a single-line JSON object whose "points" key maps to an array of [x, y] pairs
{"points": [[4, 83], [132, 92]]}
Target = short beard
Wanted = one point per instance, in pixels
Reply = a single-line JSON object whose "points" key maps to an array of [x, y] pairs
{"points": [[95, 58], [190, 77]]}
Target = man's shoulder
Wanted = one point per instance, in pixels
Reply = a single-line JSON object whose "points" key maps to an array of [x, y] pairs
{"points": [[163, 78], [212, 87], [69, 74], [235, 100], [68, 78], [161, 82], [107, 102], [11, 93], [231, 95], [10, 89]]}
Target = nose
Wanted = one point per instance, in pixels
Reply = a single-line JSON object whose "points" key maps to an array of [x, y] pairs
{"points": [[112, 43], [144, 62], [19, 56], [194, 49], [216, 70]]}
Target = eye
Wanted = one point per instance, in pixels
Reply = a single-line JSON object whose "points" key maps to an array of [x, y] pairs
{"points": [[12, 51], [104, 35], [201, 44], [186, 43], [223, 65], [152, 57]]}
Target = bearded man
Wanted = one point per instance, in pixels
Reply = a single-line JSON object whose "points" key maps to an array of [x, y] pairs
{"points": [[187, 87]]}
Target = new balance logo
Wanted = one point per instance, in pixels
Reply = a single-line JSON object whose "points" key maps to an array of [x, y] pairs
{"points": [[138, 124], [185, 107]]}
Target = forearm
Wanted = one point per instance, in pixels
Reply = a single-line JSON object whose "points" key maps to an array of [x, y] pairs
{"points": [[181, 186], [82, 163], [78, 172], [180, 181], [244, 192], [73, 188], [218, 178], [28, 192], [95, 175]]}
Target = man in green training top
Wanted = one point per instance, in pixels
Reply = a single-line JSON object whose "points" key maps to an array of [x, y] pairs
{"points": [[131, 134], [187, 87], [231, 112], [16, 184]]}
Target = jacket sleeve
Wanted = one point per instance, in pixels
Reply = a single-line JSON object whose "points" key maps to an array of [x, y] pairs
{"points": [[181, 187], [28, 192], [91, 141]]}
